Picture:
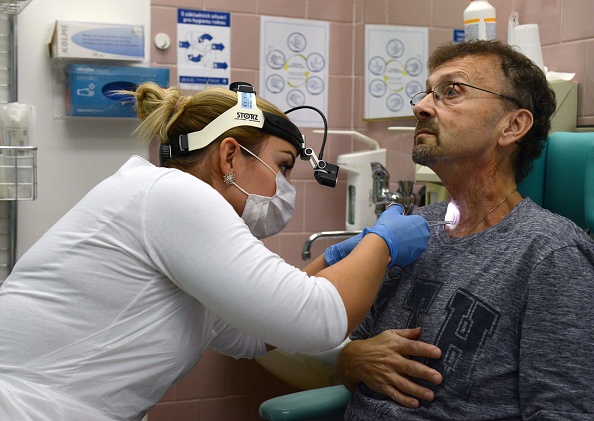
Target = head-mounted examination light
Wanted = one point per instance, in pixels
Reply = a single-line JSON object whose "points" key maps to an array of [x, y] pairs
{"points": [[247, 113]]}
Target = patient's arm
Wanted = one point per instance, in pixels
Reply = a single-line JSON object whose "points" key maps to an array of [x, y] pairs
{"points": [[383, 364]]}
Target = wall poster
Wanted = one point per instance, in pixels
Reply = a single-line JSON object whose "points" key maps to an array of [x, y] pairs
{"points": [[395, 69], [203, 49], [294, 66]]}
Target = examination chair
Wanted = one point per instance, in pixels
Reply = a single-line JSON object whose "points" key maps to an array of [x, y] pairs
{"points": [[562, 181]]}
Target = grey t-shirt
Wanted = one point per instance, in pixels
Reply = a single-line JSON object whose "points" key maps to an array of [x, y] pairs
{"points": [[512, 310]]}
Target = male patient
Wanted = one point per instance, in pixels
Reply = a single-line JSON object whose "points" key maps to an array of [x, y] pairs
{"points": [[496, 318]]}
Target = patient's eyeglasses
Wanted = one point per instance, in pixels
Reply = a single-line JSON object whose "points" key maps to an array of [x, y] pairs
{"points": [[449, 91]]}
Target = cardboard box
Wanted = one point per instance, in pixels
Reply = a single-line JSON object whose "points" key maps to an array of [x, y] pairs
{"points": [[565, 117], [91, 89], [97, 41]]}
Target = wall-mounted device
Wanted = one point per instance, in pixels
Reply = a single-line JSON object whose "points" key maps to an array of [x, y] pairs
{"points": [[360, 209]]}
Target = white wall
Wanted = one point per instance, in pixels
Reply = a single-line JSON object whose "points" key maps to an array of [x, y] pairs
{"points": [[73, 154]]}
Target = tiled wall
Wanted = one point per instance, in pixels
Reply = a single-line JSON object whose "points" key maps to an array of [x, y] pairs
{"points": [[222, 389]]}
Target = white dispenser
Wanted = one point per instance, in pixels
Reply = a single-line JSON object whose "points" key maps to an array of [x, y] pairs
{"points": [[360, 209], [479, 21]]}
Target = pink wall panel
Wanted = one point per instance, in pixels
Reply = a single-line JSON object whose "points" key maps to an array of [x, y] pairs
{"points": [[330, 10], [283, 8], [577, 19], [245, 41], [340, 60], [410, 13]]}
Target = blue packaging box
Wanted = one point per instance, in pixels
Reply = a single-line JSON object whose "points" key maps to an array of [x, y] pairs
{"points": [[91, 90]]}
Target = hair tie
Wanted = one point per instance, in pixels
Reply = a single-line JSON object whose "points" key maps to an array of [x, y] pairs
{"points": [[177, 103]]}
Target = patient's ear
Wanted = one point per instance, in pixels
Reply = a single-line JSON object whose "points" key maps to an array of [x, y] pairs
{"points": [[517, 125]]}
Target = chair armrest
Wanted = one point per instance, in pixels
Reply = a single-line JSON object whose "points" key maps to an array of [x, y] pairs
{"points": [[309, 404]]}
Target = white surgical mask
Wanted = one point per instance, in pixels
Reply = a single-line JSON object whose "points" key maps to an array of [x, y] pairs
{"points": [[266, 216]]}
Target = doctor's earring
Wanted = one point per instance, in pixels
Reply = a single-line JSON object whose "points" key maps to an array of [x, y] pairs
{"points": [[229, 178]]}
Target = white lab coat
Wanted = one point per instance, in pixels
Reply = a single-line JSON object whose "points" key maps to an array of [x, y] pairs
{"points": [[120, 298]]}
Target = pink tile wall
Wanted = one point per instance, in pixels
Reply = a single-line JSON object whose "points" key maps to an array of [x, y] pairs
{"points": [[220, 388], [566, 31]]}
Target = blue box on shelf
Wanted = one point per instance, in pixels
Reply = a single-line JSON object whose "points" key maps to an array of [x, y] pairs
{"points": [[92, 90]]}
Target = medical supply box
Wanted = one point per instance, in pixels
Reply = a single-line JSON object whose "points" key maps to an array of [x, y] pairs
{"points": [[93, 90], [97, 41]]}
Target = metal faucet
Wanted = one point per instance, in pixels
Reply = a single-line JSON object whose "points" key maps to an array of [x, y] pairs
{"points": [[382, 197], [306, 254], [381, 194]]}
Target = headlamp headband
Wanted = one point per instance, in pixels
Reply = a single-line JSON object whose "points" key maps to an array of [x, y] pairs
{"points": [[244, 113], [247, 113]]}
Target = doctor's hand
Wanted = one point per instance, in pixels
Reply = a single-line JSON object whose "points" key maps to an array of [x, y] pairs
{"points": [[336, 252], [383, 364], [406, 236]]}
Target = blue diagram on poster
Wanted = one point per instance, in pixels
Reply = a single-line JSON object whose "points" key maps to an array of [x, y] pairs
{"points": [[203, 48], [294, 66], [395, 70]]}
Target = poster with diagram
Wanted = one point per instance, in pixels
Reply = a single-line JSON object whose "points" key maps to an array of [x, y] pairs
{"points": [[203, 48], [294, 66], [395, 69]]}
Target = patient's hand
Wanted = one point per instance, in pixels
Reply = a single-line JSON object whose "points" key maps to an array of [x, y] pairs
{"points": [[383, 364]]}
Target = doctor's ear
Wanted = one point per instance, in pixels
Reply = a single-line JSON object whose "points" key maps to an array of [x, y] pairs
{"points": [[229, 150], [518, 124]]}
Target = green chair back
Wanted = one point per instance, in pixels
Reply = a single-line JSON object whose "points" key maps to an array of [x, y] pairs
{"points": [[562, 180]]}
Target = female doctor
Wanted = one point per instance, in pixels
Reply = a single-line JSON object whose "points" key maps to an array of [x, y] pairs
{"points": [[118, 300]]}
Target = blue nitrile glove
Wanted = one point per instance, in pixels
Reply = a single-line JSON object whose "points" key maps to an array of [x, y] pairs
{"points": [[406, 236], [336, 252]]}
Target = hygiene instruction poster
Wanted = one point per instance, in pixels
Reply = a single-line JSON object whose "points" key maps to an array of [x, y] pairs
{"points": [[395, 69], [203, 48], [294, 66]]}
